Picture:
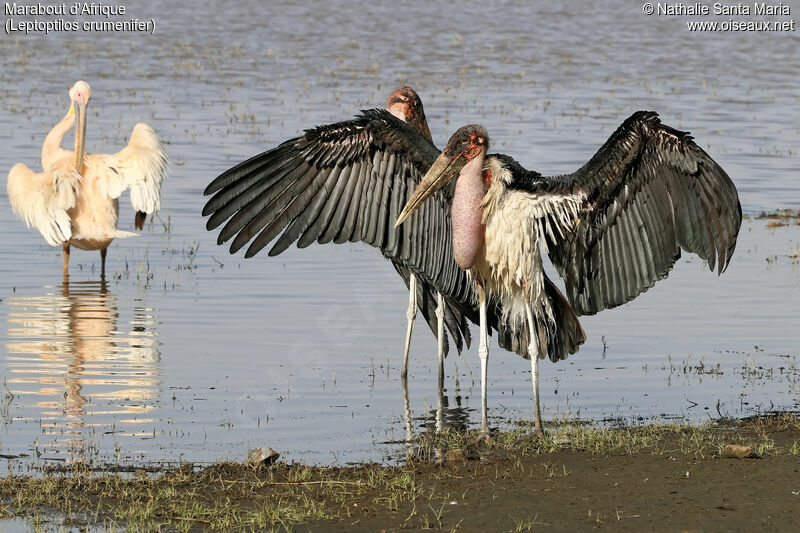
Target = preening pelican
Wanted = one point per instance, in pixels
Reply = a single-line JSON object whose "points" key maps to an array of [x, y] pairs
{"points": [[612, 228], [347, 182], [74, 201]]}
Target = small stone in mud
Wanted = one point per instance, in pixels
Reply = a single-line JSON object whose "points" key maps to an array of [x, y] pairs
{"points": [[455, 456], [735, 451], [262, 457]]}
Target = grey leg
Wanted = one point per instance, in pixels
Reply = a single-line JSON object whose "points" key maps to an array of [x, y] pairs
{"points": [[440, 334], [411, 314], [533, 351], [483, 353]]}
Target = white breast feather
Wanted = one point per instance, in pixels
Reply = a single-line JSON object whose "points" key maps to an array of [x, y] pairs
{"points": [[517, 224]]}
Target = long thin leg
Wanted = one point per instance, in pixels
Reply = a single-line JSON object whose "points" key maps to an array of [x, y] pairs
{"points": [[103, 253], [533, 352], [440, 334], [483, 353], [411, 314], [66, 260]]}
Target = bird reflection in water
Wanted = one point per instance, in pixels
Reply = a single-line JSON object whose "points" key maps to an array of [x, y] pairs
{"points": [[79, 374], [443, 418]]}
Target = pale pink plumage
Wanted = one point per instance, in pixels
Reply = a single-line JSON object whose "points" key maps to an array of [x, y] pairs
{"points": [[75, 200]]}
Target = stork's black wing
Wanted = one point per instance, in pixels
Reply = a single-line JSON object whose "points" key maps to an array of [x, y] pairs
{"points": [[347, 182], [626, 214]]}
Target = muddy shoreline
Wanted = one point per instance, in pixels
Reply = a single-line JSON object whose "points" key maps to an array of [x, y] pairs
{"points": [[652, 477]]}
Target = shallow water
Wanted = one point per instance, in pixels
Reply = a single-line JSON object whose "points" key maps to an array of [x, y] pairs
{"points": [[188, 353]]}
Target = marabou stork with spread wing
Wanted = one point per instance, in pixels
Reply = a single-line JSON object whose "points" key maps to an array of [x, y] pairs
{"points": [[348, 182], [612, 229]]}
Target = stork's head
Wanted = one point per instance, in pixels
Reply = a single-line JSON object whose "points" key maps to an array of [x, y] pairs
{"points": [[465, 150], [405, 104]]}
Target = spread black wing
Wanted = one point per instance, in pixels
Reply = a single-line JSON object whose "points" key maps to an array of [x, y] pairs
{"points": [[647, 193], [348, 182]]}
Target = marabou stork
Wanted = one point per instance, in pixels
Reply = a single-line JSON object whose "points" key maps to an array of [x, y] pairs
{"points": [[612, 228], [75, 200], [405, 104], [348, 182]]}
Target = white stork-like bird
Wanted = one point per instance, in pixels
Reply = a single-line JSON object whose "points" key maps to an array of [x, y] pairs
{"points": [[612, 229], [74, 201], [348, 182]]}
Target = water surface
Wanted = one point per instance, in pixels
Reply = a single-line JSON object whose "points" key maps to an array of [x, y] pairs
{"points": [[188, 353]]}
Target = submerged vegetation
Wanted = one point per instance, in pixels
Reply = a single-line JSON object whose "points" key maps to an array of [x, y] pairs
{"points": [[780, 217]]}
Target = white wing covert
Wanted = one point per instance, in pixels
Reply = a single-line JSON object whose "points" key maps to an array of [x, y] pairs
{"points": [[140, 166]]}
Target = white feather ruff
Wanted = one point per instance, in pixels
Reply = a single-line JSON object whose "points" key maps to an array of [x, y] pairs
{"points": [[516, 226]]}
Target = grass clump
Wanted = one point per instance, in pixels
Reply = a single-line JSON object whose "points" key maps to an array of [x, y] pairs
{"points": [[225, 496], [699, 440]]}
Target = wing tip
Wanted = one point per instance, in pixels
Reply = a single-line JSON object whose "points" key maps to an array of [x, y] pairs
{"points": [[251, 251], [235, 246], [214, 186]]}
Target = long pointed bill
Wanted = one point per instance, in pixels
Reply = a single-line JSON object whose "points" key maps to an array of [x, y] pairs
{"points": [[443, 170], [80, 136]]}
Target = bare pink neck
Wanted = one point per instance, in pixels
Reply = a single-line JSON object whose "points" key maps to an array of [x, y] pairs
{"points": [[466, 213]]}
